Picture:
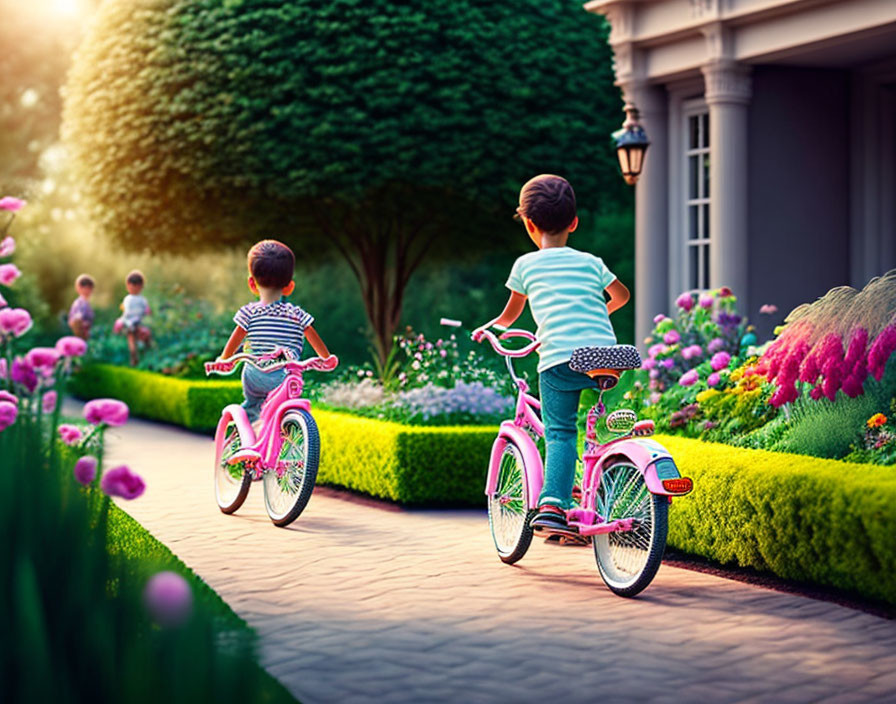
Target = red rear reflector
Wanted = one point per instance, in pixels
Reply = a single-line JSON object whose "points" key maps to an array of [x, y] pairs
{"points": [[678, 486]]}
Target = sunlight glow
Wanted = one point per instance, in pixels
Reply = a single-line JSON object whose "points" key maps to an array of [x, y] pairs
{"points": [[68, 8]]}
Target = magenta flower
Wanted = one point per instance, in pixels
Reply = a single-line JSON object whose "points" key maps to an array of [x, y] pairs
{"points": [[768, 309], [880, 352], [7, 246], [657, 319], [122, 482], [713, 379], [14, 321], [654, 350], [106, 410], [725, 292], [70, 434], [816, 393], [689, 378], [8, 397], [168, 599], [42, 357], [8, 274], [692, 352], [85, 470], [23, 374], [706, 300], [648, 363], [709, 425], [11, 204], [671, 337], [48, 403], [71, 346], [719, 361], [8, 413], [667, 363], [685, 301], [715, 345]]}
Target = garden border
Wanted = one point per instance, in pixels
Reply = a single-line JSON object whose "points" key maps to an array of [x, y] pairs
{"points": [[799, 517]]}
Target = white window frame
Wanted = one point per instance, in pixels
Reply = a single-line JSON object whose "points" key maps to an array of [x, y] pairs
{"points": [[695, 281]]}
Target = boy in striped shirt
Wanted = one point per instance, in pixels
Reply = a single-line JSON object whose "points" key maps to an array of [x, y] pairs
{"points": [[270, 323], [565, 290]]}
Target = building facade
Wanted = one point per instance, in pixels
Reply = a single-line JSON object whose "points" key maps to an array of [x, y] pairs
{"points": [[772, 165]]}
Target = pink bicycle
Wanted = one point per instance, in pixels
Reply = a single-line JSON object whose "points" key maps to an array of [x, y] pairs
{"points": [[627, 483], [284, 453]]}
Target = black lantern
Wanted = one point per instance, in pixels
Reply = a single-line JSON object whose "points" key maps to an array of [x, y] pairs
{"points": [[631, 144]]}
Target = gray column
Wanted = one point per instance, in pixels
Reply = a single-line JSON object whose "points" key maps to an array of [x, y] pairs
{"points": [[728, 96], [651, 211]]}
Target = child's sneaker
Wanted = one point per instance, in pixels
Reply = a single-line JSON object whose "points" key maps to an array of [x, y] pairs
{"points": [[552, 519]]}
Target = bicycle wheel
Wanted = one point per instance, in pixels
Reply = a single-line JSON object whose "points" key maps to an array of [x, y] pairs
{"points": [[286, 493], [508, 512], [232, 481], [628, 560]]}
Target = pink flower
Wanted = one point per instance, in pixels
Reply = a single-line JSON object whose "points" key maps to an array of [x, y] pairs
{"points": [[715, 344], [71, 346], [713, 379], [654, 373], [11, 204], [23, 374], [692, 352], [14, 321], [667, 363], [654, 398], [85, 469], [706, 300], [443, 353], [8, 413], [8, 274], [719, 361], [768, 309], [671, 337], [168, 599], [8, 397], [725, 292], [7, 246], [42, 357], [118, 326], [657, 319], [689, 378], [685, 301], [122, 482], [106, 410], [654, 350], [3, 369], [70, 434], [648, 363], [884, 346], [48, 403], [816, 393], [709, 425]]}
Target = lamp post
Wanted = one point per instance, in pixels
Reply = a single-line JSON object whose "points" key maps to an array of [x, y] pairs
{"points": [[631, 144]]}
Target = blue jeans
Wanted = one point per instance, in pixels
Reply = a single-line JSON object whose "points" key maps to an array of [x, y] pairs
{"points": [[560, 388], [256, 387]]}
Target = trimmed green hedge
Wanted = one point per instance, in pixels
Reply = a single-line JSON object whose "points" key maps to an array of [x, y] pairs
{"points": [[413, 465], [803, 518]]}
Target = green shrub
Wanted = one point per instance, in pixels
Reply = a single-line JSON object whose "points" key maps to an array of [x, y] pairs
{"points": [[801, 518]]}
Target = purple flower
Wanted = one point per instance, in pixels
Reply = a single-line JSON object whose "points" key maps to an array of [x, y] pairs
{"points": [[168, 599], [713, 379], [48, 403], [8, 397], [42, 357], [7, 246], [106, 410], [671, 337], [122, 482], [768, 309], [715, 344], [71, 346], [685, 301], [70, 434], [8, 274], [720, 360], [709, 425], [8, 413], [667, 363], [728, 320], [11, 204], [706, 300], [14, 321], [85, 470], [689, 378], [23, 374]]}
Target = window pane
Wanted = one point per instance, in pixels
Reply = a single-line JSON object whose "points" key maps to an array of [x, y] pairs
{"points": [[693, 222], [693, 269], [704, 251], [693, 132], [704, 118], [693, 176], [705, 169], [705, 232]]}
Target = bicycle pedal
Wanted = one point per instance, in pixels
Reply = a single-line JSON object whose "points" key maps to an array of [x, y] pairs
{"points": [[248, 456]]}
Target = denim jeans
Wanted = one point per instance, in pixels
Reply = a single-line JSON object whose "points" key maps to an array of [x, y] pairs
{"points": [[560, 388], [256, 387]]}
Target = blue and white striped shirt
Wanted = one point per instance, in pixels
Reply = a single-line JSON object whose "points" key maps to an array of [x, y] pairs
{"points": [[565, 288], [273, 325]]}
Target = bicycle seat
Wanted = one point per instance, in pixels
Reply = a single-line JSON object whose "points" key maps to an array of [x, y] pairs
{"points": [[604, 364]]}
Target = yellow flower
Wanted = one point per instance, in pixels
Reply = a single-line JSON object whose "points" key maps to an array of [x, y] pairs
{"points": [[737, 374], [704, 396], [877, 420]]}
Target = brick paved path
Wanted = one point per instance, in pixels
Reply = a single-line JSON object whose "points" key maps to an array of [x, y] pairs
{"points": [[356, 603]]}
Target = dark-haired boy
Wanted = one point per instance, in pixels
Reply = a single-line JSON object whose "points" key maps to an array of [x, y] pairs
{"points": [[565, 290], [80, 315], [270, 323], [134, 308]]}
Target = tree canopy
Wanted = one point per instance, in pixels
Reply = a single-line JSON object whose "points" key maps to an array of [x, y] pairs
{"points": [[379, 128]]}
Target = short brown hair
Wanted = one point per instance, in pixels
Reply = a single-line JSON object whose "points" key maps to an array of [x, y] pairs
{"points": [[85, 280], [135, 278], [271, 264], [549, 202]]}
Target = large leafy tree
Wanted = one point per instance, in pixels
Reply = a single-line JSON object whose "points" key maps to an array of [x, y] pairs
{"points": [[383, 130]]}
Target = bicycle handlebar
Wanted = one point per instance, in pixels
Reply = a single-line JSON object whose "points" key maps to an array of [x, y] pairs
{"points": [[507, 334], [227, 366]]}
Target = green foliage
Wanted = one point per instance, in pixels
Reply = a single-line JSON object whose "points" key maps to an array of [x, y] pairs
{"points": [[801, 518]]}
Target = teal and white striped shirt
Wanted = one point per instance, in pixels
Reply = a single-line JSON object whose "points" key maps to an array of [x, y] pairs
{"points": [[565, 288]]}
